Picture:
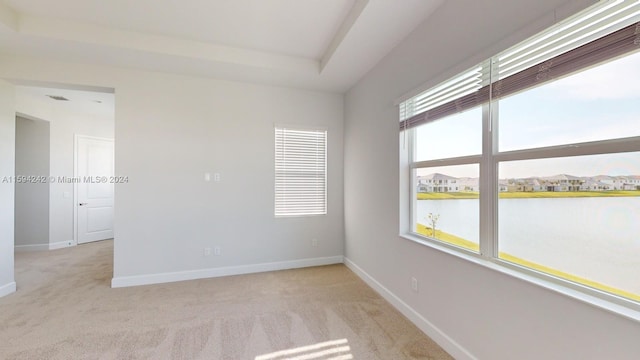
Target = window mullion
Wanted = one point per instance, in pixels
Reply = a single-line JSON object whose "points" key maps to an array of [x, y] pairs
{"points": [[611, 146], [489, 173], [413, 192], [461, 160], [488, 181]]}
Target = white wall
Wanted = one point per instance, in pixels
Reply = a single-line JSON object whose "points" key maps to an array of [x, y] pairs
{"points": [[32, 198], [66, 119], [472, 310], [7, 167], [169, 131]]}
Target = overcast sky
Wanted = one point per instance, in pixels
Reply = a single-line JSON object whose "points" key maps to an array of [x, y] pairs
{"points": [[600, 103]]}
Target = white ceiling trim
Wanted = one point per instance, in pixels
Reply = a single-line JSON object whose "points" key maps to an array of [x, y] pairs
{"points": [[346, 26], [99, 35], [380, 26], [367, 33]]}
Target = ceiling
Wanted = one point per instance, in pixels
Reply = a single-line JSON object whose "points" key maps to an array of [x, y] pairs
{"points": [[316, 44], [80, 101]]}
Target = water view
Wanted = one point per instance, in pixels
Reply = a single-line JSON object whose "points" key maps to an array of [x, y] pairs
{"points": [[597, 238]]}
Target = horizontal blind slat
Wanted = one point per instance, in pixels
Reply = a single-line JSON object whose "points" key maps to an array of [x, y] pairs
{"points": [[578, 43], [615, 44], [300, 172], [559, 40]]}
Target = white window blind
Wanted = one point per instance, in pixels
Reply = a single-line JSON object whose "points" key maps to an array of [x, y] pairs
{"points": [[591, 24], [459, 86], [300, 172], [600, 33]]}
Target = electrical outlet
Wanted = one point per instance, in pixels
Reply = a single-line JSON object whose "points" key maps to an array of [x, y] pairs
{"points": [[314, 242], [216, 177], [216, 250], [207, 251], [414, 284]]}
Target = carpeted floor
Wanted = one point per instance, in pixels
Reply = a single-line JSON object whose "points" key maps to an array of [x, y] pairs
{"points": [[65, 309]]}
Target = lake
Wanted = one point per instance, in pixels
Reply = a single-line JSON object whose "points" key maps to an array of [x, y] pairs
{"points": [[597, 238]]}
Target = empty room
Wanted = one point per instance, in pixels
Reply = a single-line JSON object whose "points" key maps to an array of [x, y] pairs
{"points": [[319, 179]]}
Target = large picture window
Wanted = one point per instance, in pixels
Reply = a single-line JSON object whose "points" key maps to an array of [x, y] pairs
{"points": [[532, 158]]}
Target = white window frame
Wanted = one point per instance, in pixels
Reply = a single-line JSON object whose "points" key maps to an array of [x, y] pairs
{"points": [[488, 162]]}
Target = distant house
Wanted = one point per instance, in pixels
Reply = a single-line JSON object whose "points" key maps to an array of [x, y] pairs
{"points": [[594, 185], [563, 182], [634, 182], [534, 185], [437, 182], [503, 185], [612, 182], [469, 184], [627, 182], [525, 185]]}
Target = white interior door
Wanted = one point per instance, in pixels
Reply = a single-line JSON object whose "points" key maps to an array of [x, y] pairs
{"points": [[94, 176]]}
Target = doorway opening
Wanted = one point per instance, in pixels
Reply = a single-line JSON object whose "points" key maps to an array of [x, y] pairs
{"points": [[64, 158]]}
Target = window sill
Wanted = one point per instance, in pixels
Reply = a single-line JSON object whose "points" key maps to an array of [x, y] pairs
{"points": [[604, 301]]}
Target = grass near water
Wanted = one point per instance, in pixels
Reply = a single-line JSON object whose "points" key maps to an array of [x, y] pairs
{"points": [[529, 195], [466, 244]]}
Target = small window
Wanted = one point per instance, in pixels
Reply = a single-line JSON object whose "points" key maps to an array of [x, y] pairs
{"points": [[300, 172]]}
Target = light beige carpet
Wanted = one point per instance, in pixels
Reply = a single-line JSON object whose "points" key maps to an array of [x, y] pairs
{"points": [[65, 309]]}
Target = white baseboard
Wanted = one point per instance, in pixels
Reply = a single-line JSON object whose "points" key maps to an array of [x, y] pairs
{"points": [[36, 247], [61, 244], [7, 289], [448, 344], [124, 281], [44, 247]]}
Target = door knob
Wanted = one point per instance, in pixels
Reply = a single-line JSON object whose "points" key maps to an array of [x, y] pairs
{"points": [[83, 204]]}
